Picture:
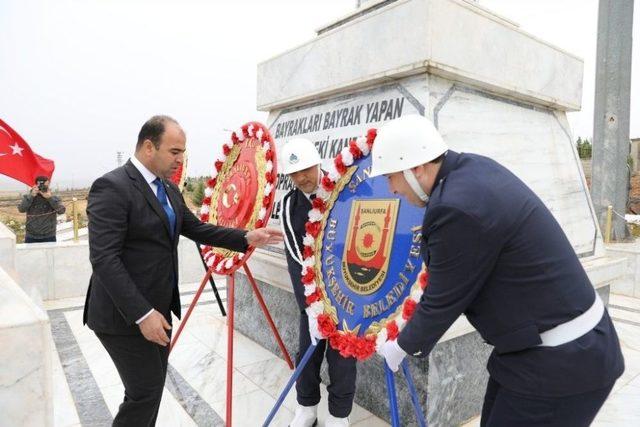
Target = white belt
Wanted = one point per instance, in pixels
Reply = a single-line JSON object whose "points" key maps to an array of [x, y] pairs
{"points": [[575, 328]]}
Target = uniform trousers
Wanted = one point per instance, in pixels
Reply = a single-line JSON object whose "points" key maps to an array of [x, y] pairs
{"points": [[342, 375], [504, 407]]}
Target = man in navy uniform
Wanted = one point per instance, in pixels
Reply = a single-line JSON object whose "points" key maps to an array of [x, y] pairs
{"points": [[496, 253], [302, 164]]}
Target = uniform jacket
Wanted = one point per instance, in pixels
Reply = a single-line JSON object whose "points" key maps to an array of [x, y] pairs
{"points": [[496, 253]]}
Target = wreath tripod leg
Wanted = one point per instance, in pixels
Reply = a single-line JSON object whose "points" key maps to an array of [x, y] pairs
{"points": [[414, 395], [196, 297], [393, 401], [230, 296], [265, 310], [292, 380]]}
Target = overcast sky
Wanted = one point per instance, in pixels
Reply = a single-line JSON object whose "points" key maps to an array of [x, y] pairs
{"points": [[78, 78]]}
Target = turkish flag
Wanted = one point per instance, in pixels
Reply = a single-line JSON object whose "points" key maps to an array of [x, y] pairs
{"points": [[18, 161]]}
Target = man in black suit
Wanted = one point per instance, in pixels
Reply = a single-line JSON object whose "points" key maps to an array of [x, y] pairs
{"points": [[136, 216]]}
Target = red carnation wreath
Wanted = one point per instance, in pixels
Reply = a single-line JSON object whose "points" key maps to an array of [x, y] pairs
{"points": [[224, 261], [347, 342]]}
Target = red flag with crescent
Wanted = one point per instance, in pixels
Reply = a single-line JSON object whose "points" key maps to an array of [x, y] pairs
{"points": [[18, 161]]}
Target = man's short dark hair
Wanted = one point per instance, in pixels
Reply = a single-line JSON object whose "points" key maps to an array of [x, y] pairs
{"points": [[41, 178], [153, 130]]}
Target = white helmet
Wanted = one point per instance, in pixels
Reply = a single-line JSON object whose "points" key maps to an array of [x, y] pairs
{"points": [[404, 143], [298, 154]]}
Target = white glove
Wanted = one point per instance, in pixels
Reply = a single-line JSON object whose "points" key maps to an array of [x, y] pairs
{"points": [[314, 332], [392, 354]]}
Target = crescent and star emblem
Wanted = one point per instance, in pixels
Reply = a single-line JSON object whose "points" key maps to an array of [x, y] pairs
{"points": [[17, 150], [231, 189]]}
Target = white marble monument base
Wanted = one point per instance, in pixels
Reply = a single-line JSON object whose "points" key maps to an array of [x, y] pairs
{"points": [[60, 270], [630, 283], [25, 359], [7, 250]]}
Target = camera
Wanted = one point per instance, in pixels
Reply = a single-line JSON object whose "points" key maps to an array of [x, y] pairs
{"points": [[42, 186]]}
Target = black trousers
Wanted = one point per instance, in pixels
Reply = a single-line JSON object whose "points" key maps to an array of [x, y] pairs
{"points": [[506, 408], [342, 374], [142, 366]]}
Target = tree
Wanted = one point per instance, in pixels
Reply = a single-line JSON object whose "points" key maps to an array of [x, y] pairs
{"points": [[188, 185], [584, 148], [198, 193]]}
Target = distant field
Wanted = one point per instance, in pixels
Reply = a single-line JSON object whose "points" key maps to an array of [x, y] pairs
{"points": [[9, 195], [9, 201]]}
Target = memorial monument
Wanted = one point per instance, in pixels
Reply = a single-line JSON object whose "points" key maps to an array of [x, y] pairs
{"points": [[490, 88]]}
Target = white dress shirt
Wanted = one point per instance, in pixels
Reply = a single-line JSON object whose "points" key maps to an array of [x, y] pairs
{"points": [[148, 176]]}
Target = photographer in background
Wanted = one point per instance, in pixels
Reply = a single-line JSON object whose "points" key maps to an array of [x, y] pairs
{"points": [[41, 208]]}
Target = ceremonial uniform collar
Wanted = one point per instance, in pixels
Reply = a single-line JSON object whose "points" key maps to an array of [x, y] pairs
{"points": [[448, 164]]}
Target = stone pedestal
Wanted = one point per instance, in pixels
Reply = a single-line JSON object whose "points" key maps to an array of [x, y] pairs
{"points": [[25, 360], [629, 285], [490, 88], [7, 250], [62, 269]]}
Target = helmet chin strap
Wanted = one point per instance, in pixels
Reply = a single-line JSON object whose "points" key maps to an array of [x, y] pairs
{"points": [[415, 185]]}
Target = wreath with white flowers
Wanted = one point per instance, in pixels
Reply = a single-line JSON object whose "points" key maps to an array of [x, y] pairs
{"points": [[253, 130], [347, 342]]}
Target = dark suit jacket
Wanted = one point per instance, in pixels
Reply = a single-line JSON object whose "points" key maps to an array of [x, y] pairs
{"points": [[134, 258], [496, 253]]}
